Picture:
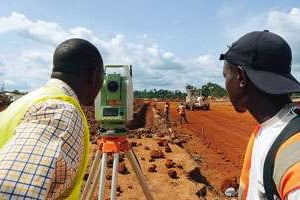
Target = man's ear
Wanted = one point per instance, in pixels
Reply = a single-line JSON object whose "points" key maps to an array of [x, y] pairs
{"points": [[241, 75]]}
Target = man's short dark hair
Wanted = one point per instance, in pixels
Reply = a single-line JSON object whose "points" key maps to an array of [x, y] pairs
{"points": [[75, 55]]}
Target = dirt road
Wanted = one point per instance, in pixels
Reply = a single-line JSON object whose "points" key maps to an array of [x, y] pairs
{"points": [[220, 137]]}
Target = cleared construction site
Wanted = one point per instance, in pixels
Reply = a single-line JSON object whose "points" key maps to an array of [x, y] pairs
{"points": [[198, 160]]}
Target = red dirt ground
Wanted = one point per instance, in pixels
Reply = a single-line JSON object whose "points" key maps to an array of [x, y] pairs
{"points": [[220, 136]]}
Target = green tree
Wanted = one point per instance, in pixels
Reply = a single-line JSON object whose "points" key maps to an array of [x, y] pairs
{"points": [[214, 90]]}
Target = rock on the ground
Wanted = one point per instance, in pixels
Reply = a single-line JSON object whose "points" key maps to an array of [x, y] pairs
{"points": [[152, 168], [156, 153], [195, 175], [119, 189], [108, 176], [172, 173], [229, 182], [162, 142], [168, 149], [179, 165], [133, 144], [122, 169], [202, 192], [179, 142], [169, 163], [147, 148], [160, 134]]}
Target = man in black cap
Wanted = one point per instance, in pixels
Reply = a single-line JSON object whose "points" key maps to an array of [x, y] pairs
{"points": [[257, 72], [44, 136]]}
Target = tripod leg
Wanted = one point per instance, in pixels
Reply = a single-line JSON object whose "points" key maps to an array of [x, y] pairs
{"points": [[92, 179], [136, 168], [114, 177], [102, 177]]}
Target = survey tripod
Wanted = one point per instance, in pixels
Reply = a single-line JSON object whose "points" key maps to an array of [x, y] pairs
{"points": [[112, 143]]}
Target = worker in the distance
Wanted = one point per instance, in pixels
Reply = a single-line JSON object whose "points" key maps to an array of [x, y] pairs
{"points": [[44, 136], [166, 112], [182, 114], [257, 72]]}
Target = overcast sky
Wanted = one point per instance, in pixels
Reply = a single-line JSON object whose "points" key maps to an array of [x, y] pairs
{"points": [[169, 43]]}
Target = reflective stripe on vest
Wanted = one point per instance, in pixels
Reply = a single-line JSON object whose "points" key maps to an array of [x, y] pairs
{"points": [[287, 166], [241, 191], [11, 117]]}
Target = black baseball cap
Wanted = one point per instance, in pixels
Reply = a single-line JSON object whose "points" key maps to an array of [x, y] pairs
{"points": [[266, 57]]}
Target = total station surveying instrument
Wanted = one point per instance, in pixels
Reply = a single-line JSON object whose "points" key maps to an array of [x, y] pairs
{"points": [[113, 110]]}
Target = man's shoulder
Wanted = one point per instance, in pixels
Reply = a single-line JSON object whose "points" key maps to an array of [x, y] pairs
{"points": [[51, 106]]}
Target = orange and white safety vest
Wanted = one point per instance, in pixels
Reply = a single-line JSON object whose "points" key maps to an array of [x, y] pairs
{"points": [[181, 109], [287, 161]]}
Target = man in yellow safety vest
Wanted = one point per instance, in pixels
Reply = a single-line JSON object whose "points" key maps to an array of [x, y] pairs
{"points": [[44, 136]]}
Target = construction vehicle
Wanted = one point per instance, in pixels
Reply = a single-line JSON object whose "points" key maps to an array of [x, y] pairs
{"points": [[195, 101], [5, 100]]}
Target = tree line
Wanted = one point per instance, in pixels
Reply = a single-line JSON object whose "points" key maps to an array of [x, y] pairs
{"points": [[209, 89], [160, 93]]}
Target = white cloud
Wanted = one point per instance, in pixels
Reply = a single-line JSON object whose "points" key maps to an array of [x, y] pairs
{"points": [[28, 71], [205, 60], [152, 65], [286, 24], [37, 56], [47, 32], [81, 32], [168, 55]]}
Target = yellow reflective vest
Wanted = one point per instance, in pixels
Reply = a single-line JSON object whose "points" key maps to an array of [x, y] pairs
{"points": [[12, 116]]}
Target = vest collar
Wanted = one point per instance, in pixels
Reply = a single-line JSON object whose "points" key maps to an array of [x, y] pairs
{"points": [[63, 86], [284, 115]]}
